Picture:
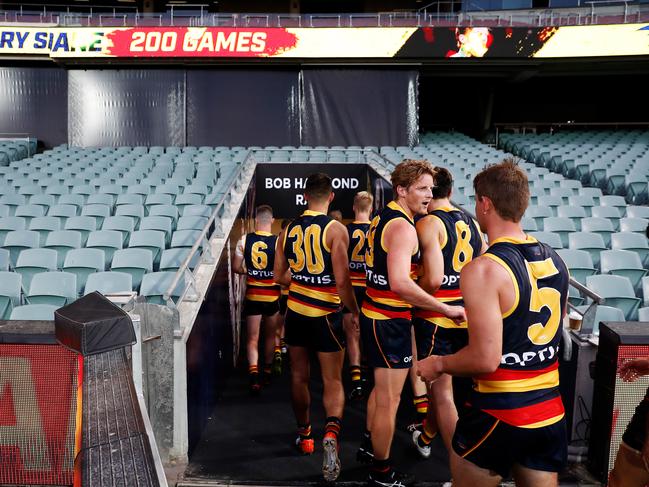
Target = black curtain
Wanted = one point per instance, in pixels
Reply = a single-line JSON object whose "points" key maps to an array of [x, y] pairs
{"points": [[126, 107], [359, 107], [243, 107], [34, 102]]}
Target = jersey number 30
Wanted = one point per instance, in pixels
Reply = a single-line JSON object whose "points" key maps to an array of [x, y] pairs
{"points": [[307, 249]]}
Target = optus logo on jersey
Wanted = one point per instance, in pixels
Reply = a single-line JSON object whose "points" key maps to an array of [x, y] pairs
{"points": [[377, 278], [256, 273], [450, 280], [529, 358]]}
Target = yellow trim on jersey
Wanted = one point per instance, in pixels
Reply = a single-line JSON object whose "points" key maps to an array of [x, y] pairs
{"points": [[311, 213], [444, 322], [260, 297], [527, 240], [543, 381], [312, 293], [306, 310], [324, 236], [517, 298], [373, 315], [361, 223], [262, 233], [397, 207], [546, 422]]}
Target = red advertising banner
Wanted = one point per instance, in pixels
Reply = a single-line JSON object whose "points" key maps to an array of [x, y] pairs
{"points": [[38, 414]]}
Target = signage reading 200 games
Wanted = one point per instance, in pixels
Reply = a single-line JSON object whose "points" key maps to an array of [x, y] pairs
{"points": [[339, 43]]}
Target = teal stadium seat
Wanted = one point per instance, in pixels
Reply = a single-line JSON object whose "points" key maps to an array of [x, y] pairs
{"points": [[623, 263], [33, 261], [53, 288], [155, 284], [10, 290], [617, 291], [135, 262], [579, 263], [41, 312], [109, 282], [63, 241]]}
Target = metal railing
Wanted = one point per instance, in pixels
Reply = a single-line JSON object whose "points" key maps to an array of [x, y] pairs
{"points": [[190, 292], [583, 13]]}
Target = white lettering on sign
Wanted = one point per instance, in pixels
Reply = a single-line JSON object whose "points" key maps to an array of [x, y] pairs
{"points": [[344, 183], [300, 200], [277, 183]]}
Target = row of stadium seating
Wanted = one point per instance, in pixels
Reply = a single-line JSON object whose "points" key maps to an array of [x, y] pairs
{"points": [[16, 149], [601, 237], [615, 161]]}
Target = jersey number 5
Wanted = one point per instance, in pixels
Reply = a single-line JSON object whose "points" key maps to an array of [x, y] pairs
{"points": [[545, 297], [307, 249]]}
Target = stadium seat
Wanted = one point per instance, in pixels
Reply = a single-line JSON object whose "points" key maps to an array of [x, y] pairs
{"points": [[44, 225], [637, 212], [633, 225], [134, 212], [197, 210], [18, 240], [615, 201], [528, 224], [82, 224], [63, 241], [631, 241], [552, 202], [191, 223], [155, 284], [12, 200], [44, 200], [186, 199], [165, 210], [161, 223], [54, 288], [10, 289], [129, 199], [603, 313], [4, 260], [611, 213], [574, 297], [157, 199], [101, 199], [185, 238], [593, 243], [575, 213], [152, 240], [623, 263], [33, 261], [109, 282], [645, 290], [617, 291], [135, 262], [561, 226], [579, 263], [77, 200], [643, 314], [42, 312], [63, 212], [173, 258], [601, 226], [99, 212], [29, 211], [107, 240], [121, 223], [82, 263], [550, 238], [585, 202], [539, 213]]}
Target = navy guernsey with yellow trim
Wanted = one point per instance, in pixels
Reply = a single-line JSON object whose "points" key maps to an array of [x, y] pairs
{"points": [[313, 286], [524, 390], [357, 245], [381, 303], [259, 255], [462, 242]]}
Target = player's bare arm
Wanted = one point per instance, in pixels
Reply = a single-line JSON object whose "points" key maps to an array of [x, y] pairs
{"points": [[338, 241], [400, 240], [483, 305], [238, 261], [281, 271], [428, 233]]}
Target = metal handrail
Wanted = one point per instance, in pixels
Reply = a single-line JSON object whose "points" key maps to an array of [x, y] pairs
{"points": [[203, 235]]}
